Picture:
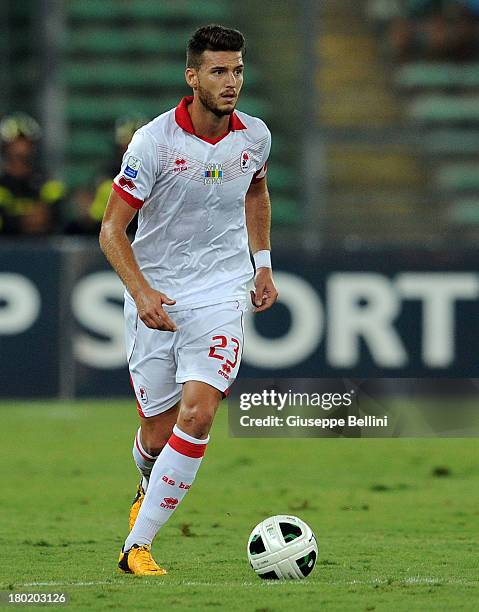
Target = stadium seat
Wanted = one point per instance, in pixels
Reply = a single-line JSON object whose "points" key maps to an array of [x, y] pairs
{"points": [[438, 75], [101, 109], [458, 177], [284, 211], [125, 74], [106, 41], [89, 10], [465, 212], [80, 173], [280, 177], [84, 143], [367, 167], [451, 142], [445, 108]]}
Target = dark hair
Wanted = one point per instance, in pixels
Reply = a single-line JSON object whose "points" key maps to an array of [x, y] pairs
{"points": [[212, 38]]}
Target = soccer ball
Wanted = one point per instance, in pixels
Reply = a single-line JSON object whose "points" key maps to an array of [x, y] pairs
{"points": [[282, 547]]}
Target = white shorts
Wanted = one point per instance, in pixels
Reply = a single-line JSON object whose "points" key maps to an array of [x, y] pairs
{"points": [[207, 347]]}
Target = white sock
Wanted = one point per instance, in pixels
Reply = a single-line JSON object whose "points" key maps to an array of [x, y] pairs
{"points": [[171, 477], [144, 461]]}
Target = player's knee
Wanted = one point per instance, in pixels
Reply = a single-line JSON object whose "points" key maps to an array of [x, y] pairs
{"points": [[153, 443], [196, 419]]}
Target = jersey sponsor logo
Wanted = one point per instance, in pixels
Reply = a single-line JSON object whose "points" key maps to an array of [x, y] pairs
{"points": [[180, 165], [126, 182], [245, 161], [132, 166], [213, 174]]}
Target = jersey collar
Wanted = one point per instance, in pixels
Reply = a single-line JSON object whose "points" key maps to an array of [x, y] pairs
{"points": [[183, 119]]}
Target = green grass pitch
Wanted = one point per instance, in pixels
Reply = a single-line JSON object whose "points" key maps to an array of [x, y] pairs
{"points": [[396, 520]]}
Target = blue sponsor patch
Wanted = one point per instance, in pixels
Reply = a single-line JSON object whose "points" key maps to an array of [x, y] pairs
{"points": [[130, 172], [132, 167]]}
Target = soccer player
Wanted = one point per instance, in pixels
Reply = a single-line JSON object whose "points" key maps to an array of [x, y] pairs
{"points": [[197, 176]]}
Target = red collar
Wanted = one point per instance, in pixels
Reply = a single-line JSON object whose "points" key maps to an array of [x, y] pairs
{"points": [[183, 119]]}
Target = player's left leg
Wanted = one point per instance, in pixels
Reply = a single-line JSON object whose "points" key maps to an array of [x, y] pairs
{"points": [[175, 469]]}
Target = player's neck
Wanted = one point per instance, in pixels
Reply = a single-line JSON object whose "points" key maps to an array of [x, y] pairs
{"points": [[206, 123]]}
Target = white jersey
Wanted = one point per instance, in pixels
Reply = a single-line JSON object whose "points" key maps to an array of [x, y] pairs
{"points": [[191, 242]]}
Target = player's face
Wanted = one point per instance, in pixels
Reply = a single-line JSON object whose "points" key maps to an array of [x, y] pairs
{"points": [[219, 81]]}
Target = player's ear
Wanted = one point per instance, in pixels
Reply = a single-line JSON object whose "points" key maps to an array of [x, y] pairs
{"points": [[191, 77]]}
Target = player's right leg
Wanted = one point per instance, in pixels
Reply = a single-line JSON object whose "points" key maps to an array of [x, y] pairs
{"points": [[176, 467], [152, 436], [211, 338]]}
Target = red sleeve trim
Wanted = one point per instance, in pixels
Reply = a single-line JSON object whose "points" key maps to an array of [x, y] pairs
{"points": [[135, 203], [187, 448]]}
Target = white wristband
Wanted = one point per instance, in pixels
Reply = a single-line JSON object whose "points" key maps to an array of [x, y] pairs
{"points": [[262, 259]]}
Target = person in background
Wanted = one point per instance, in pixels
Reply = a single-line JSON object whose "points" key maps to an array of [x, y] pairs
{"points": [[30, 203], [89, 205], [125, 127], [435, 30]]}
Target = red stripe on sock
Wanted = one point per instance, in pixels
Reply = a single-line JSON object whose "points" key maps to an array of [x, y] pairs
{"points": [[187, 448], [146, 457]]}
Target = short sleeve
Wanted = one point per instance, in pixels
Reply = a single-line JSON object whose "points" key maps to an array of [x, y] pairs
{"points": [[138, 170], [263, 163]]}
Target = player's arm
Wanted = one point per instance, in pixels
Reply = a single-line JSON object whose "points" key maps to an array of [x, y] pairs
{"points": [[117, 249], [258, 224]]}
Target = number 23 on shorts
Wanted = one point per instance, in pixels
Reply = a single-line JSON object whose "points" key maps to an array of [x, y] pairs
{"points": [[221, 342]]}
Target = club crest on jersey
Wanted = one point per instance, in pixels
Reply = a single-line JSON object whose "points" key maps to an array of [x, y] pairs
{"points": [[245, 161], [143, 395], [213, 174], [132, 166]]}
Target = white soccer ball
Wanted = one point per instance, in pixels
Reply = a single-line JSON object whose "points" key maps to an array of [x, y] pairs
{"points": [[282, 547]]}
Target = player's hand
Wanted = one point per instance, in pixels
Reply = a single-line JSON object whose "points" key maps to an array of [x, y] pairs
{"points": [[265, 293], [149, 304]]}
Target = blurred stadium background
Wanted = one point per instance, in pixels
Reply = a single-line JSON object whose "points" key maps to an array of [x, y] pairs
{"points": [[374, 177]]}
